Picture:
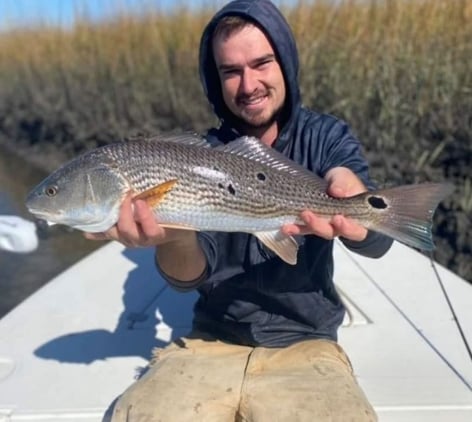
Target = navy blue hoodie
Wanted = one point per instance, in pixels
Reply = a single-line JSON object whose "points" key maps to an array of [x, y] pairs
{"points": [[250, 296]]}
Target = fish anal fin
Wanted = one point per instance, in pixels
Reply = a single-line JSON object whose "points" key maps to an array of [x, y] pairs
{"points": [[155, 194], [286, 247]]}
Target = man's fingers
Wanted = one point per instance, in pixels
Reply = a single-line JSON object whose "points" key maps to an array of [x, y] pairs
{"points": [[96, 236], [126, 224], [110, 234], [322, 227], [342, 182], [349, 229], [144, 215], [326, 228], [337, 191], [136, 226], [313, 225], [291, 229]]}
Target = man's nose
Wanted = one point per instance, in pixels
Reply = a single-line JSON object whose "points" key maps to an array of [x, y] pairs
{"points": [[249, 82]]}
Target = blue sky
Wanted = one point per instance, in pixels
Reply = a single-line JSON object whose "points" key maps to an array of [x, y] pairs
{"points": [[24, 12]]}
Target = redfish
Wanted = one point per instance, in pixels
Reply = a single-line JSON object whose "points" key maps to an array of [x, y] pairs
{"points": [[243, 186]]}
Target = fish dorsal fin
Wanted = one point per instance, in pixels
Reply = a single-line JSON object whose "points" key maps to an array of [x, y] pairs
{"points": [[254, 149], [188, 138]]}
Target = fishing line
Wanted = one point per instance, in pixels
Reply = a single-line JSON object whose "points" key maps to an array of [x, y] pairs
{"points": [[451, 307], [409, 321]]}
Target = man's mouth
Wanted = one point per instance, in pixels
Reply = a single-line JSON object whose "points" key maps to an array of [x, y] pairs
{"points": [[252, 101]]}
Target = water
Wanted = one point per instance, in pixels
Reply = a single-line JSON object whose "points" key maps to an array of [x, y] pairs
{"points": [[23, 274]]}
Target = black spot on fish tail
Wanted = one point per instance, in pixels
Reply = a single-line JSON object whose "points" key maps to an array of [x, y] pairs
{"points": [[405, 213], [377, 202], [261, 176]]}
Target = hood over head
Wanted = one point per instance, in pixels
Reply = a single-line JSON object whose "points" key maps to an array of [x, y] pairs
{"points": [[268, 17]]}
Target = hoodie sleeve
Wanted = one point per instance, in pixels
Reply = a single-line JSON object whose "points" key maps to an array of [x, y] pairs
{"points": [[342, 149]]}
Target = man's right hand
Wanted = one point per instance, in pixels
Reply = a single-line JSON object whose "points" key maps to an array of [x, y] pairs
{"points": [[179, 254], [137, 227]]}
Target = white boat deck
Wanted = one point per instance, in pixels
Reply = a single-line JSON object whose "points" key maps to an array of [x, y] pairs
{"points": [[77, 343]]}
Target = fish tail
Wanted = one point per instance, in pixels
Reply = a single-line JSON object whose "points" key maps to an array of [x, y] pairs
{"points": [[405, 213]]}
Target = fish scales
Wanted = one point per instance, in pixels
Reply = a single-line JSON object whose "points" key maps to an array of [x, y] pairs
{"points": [[271, 198], [276, 198], [242, 186]]}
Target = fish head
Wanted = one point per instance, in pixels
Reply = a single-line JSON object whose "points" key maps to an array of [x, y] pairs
{"points": [[85, 194]]}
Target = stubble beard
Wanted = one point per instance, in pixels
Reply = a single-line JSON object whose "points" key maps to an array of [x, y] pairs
{"points": [[259, 121]]}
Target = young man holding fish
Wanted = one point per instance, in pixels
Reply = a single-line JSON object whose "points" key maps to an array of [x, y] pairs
{"points": [[264, 345]]}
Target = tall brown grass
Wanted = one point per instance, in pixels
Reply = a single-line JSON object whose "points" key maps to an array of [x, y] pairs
{"points": [[399, 71]]}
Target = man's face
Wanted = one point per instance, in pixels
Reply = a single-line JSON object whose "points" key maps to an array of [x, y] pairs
{"points": [[251, 79]]}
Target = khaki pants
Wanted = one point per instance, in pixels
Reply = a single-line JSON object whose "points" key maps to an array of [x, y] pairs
{"points": [[199, 378]]}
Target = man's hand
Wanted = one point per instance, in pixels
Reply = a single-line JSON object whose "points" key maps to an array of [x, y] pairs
{"points": [[179, 254], [342, 182], [137, 226]]}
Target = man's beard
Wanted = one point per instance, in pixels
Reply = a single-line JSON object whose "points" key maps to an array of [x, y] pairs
{"points": [[259, 123]]}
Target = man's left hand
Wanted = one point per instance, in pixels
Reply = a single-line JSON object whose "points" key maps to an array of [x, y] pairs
{"points": [[342, 182]]}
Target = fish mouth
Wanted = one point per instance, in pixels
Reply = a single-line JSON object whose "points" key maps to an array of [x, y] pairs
{"points": [[41, 217], [34, 203]]}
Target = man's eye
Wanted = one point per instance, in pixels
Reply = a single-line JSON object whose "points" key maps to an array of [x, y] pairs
{"points": [[263, 64], [230, 72]]}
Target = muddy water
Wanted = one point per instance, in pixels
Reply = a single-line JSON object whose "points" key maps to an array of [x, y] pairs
{"points": [[22, 274]]}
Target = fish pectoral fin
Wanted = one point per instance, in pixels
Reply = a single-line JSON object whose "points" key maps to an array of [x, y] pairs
{"points": [[155, 194], [286, 247]]}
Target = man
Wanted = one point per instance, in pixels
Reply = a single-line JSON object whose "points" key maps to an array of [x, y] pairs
{"points": [[263, 345]]}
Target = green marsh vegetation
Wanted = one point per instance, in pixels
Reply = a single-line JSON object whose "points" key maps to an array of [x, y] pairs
{"points": [[399, 71]]}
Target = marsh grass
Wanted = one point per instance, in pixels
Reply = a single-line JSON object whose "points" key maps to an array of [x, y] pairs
{"points": [[399, 71]]}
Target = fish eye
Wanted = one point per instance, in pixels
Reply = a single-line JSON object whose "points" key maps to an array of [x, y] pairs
{"points": [[51, 191]]}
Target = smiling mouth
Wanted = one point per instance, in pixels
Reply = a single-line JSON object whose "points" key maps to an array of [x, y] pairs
{"points": [[252, 101]]}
